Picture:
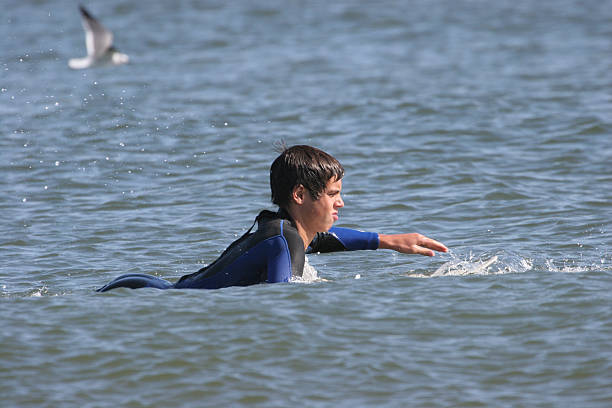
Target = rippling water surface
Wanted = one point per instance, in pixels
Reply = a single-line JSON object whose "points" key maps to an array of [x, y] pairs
{"points": [[485, 125]]}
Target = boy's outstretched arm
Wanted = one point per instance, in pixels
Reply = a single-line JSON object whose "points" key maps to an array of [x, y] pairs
{"points": [[410, 244]]}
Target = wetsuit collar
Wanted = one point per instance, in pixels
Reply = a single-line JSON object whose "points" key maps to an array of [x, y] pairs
{"points": [[281, 213], [284, 214]]}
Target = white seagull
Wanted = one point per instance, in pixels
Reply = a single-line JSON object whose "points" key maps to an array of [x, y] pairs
{"points": [[99, 42]]}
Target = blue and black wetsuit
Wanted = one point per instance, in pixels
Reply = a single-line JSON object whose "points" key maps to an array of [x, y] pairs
{"points": [[273, 253]]}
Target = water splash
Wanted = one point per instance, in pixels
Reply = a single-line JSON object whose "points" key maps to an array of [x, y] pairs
{"points": [[570, 266], [503, 262], [38, 292], [466, 267], [483, 264], [34, 292], [309, 275]]}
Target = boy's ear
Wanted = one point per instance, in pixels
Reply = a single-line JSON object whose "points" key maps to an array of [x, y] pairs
{"points": [[297, 195]]}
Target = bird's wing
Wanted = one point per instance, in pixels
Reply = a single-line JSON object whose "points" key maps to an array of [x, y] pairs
{"points": [[97, 38]]}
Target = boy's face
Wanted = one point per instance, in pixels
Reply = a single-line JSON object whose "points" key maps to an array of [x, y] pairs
{"points": [[323, 212]]}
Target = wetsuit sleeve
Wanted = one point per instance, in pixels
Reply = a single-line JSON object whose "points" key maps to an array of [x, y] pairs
{"points": [[289, 259], [279, 264], [343, 239]]}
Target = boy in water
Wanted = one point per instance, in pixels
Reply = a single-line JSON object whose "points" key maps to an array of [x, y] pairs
{"points": [[306, 184]]}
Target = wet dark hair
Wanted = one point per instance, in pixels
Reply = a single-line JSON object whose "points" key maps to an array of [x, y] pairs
{"points": [[305, 165]]}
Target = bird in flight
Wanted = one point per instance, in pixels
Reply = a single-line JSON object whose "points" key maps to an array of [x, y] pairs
{"points": [[99, 43]]}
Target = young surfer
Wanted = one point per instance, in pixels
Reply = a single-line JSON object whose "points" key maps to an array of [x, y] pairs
{"points": [[306, 185]]}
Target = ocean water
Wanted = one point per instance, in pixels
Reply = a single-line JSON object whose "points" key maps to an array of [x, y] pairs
{"points": [[484, 125]]}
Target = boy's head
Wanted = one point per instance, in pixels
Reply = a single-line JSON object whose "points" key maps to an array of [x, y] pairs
{"points": [[305, 165]]}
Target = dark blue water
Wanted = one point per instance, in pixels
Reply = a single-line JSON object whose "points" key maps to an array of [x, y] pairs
{"points": [[486, 126]]}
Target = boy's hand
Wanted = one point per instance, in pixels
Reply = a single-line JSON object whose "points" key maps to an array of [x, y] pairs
{"points": [[410, 244]]}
